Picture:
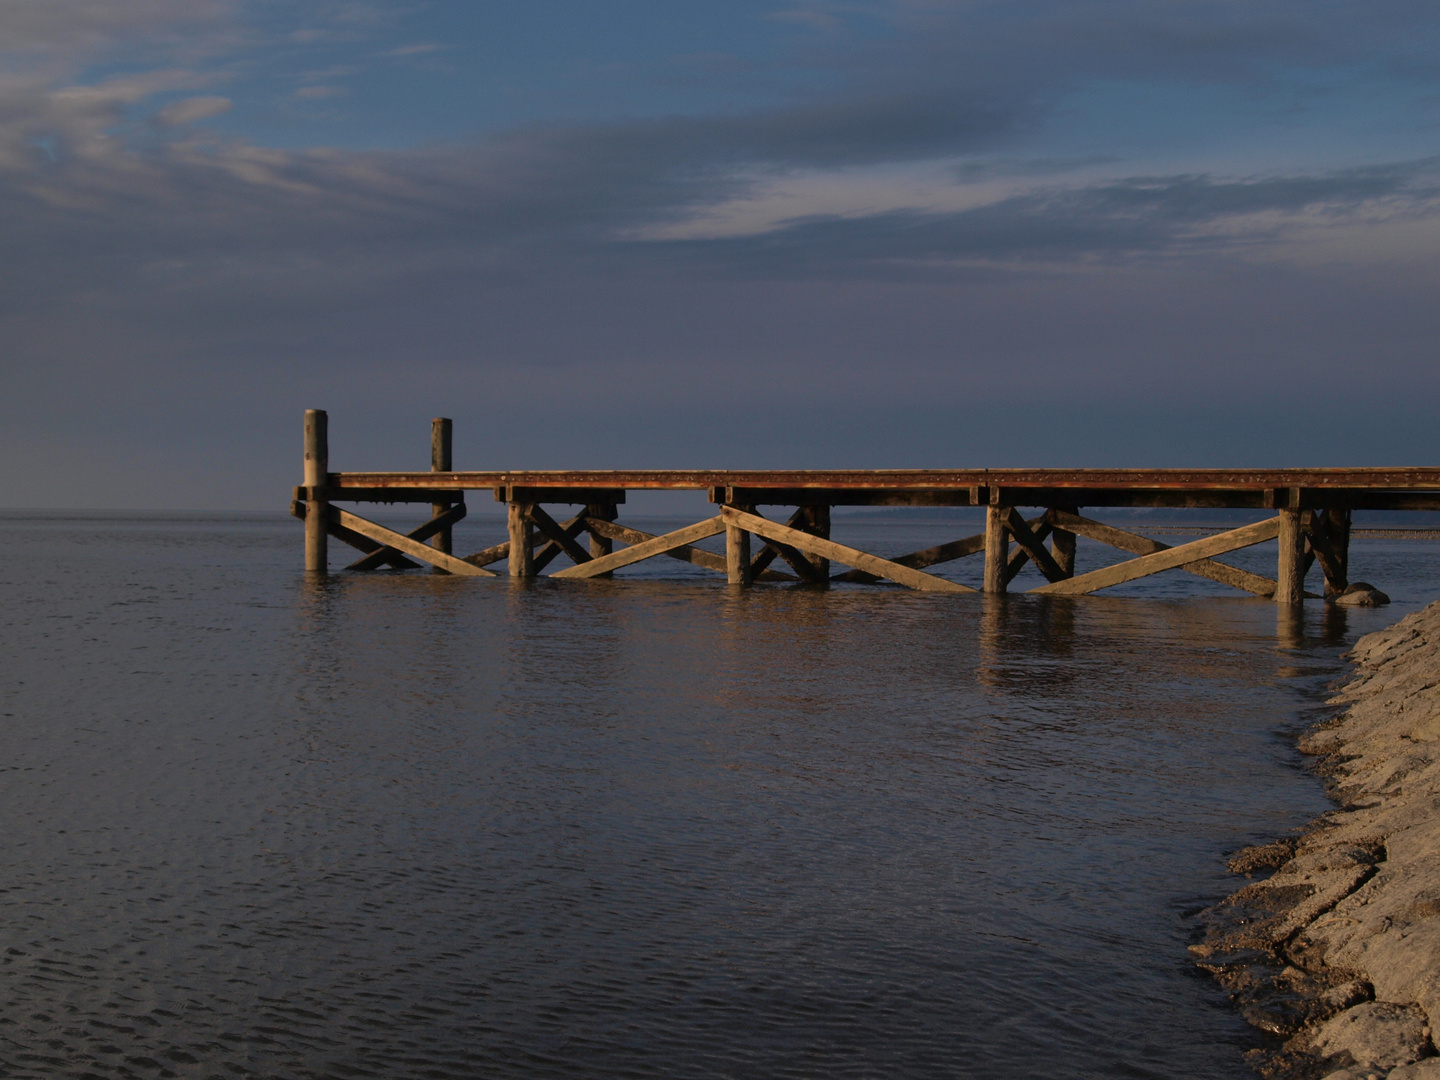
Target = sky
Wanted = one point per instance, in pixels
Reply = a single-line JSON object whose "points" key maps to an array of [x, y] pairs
{"points": [[645, 234]]}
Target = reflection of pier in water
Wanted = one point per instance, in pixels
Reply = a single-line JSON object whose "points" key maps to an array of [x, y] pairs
{"points": [[1311, 522]]}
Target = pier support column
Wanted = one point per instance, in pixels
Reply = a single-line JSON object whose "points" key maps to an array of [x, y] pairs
{"points": [[440, 461], [737, 552], [818, 520], [1336, 524], [1290, 571], [602, 545], [997, 547], [317, 468], [522, 541], [1062, 545]]}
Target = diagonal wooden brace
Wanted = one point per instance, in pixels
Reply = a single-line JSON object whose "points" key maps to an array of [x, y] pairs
{"points": [[918, 560], [1169, 558], [645, 550], [1031, 545], [828, 549], [1143, 545], [561, 537], [376, 559], [1322, 547], [772, 551], [354, 539], [613, 530], [414, 548]]}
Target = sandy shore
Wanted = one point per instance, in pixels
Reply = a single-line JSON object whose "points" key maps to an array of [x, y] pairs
{"points": [[1338, 951]]}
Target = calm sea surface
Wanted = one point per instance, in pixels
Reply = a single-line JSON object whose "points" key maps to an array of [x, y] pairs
{"points": [[407, 825]]}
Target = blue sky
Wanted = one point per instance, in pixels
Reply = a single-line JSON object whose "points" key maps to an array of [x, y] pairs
{"points": [[873, 233]]}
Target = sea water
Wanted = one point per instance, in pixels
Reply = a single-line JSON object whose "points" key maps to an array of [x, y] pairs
{"points": [[410, 825]]}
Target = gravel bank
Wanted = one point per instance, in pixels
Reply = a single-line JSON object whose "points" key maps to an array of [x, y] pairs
{"points": [[1337, 953]]}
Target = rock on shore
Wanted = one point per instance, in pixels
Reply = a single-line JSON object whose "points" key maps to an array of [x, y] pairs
{"points": [[1338, 951]]}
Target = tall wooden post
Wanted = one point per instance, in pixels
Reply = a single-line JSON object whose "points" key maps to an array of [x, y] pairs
{"points": [[1290, 572], [522, 541], [441, 430], [317, 469], [1062, 545], [819, 523], [997, 545], [1337, 528], [601, 545], [737, 553]]}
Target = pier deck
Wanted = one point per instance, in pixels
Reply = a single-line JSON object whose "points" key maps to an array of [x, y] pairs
{"points": [[1311, 523]]}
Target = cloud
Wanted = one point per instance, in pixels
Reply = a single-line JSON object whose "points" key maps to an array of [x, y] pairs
{"points": [[66, 24], [189, 110]]}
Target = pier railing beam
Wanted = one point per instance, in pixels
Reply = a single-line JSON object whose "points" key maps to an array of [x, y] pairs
{"points": [[997, 545], [317, 468], [522, 540], [441, 431], [1290, 570]]}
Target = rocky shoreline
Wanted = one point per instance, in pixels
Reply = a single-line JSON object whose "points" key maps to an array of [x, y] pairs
{"points": [[1337, 952]]}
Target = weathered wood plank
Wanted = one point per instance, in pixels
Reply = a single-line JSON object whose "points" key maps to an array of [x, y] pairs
{"points": [[1168, 559], [904, 575], [932, 556], [613, 530], [770, 552], [1322, 530], [695, 556], [492, 554], [1143, 545], [997, 548], [522, 540], [1029, 544], [545, 555], [600, 545], [560, 536], [354, 539], [1290, 567], [648, 549], [1062, 545], [414, 548], [435, 525], [441, 442], [317, 466], [737, 555]]}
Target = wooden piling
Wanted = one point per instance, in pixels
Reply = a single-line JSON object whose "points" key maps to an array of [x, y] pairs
{"points": [[1290, 570], [997, 547], [441, 430], [317, 511], [819, 524], [1062, 545], [522, 541], [600, 546], [1337, 530], [737, 553]]}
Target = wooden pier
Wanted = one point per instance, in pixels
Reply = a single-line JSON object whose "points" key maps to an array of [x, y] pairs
{"points": [[1311, 520]]}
